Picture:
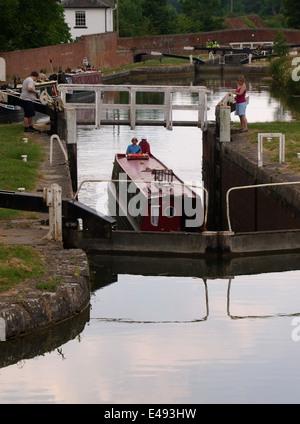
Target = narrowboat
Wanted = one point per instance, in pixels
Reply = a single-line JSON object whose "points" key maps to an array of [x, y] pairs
{"points": [[88, 77], [145, 195], [10, 113], [11, 103]]}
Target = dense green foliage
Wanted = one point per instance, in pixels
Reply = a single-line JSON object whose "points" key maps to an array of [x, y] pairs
{"points": [[150, 17], [285, 74], [292, 12], [32, 23], [37, 23]]}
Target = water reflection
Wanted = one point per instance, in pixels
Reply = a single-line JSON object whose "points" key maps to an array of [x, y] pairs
{"points": [[167, 331], [164, 330], [190, 285], [32, 345]]}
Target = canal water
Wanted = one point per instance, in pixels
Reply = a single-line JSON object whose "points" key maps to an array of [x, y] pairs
{"points": [[168, 331]]}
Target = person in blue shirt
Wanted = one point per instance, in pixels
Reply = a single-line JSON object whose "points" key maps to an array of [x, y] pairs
{"points": [[134, 147]]}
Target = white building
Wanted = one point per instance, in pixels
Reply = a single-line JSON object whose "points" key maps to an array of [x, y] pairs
{"points": [[86, 17]]}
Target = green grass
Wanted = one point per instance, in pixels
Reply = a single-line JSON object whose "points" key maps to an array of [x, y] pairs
{"points": [[15, 173], [292, 141], [153, 63], [249, 23], [49, 285], [18, 263]]}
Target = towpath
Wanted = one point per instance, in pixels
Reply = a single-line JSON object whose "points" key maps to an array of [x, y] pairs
{"points": [[26, 308]]}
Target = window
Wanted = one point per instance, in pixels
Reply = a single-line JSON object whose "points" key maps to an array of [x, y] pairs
{"points": [[80, 20]]}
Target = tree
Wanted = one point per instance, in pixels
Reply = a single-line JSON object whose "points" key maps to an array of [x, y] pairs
{"points": [[292, 12], [131, 20], [200, 14], [280, 45], [144, 17], [159, 17], [32, 23]]}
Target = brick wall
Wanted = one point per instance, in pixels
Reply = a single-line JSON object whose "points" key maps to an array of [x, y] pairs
{"points": [[175, 43], [101, 51], [107, 51]]}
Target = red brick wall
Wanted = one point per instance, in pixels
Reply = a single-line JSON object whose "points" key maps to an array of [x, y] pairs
{"points": [[107, 51], [175, 43], [101, 51]]}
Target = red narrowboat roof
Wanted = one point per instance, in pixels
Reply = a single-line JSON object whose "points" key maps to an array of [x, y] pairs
{"points": [[140, 170]]}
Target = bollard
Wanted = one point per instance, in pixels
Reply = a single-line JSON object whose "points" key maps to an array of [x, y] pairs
{"points": [[53, 199]]}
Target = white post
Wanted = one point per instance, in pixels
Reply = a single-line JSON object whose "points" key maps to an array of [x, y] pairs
{"points": [[2, 69], [71, 122], [225, 123], [132, 94], [168, 109], [53, 199], [260, 150], [98, 108], [282, 148], [202, 110], [2, 330]]}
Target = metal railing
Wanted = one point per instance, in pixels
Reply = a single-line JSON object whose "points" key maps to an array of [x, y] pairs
{"points": [[269, 136], [52, 138], [150, 182], [167, 107], [248, 187]]}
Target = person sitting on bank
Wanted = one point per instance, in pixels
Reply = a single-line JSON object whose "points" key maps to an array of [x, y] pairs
{"points": [[134, 147], [144, 145]]}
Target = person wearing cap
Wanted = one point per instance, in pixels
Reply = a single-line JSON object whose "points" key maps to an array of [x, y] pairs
{"points": [[144, 145]]}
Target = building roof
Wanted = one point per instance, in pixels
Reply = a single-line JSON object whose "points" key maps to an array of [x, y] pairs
{"points": [[87, 4]]}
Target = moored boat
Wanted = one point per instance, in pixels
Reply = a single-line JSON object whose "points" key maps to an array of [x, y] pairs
{"points": [[145, 195], [87, 77], [10, 113], [13, 104]]}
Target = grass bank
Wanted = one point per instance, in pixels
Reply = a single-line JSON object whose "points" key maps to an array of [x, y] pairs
{"points": [[18, 263], [292, 141], [165, 61], [14, 173]]}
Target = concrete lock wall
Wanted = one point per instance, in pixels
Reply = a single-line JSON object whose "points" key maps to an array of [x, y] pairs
{"points": [[226, 165]]}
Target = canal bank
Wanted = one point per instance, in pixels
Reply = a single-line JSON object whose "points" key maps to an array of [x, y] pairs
{"points": [[273, 202], [26, 308], [49, 308]]}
